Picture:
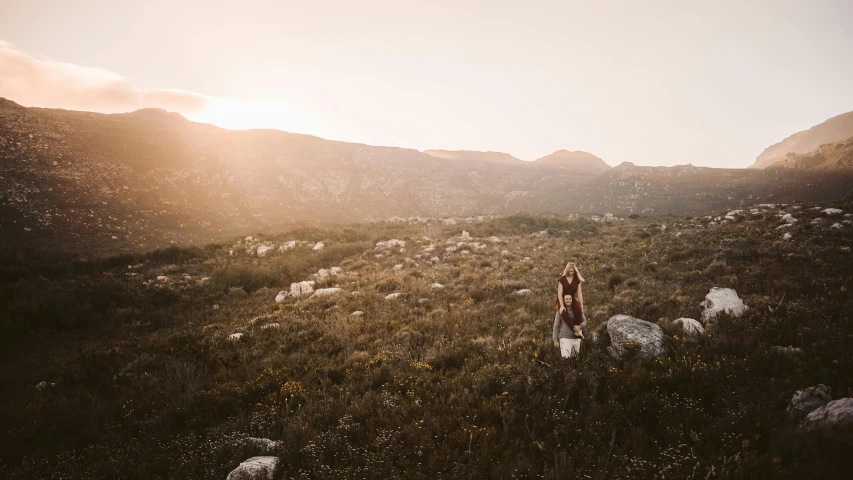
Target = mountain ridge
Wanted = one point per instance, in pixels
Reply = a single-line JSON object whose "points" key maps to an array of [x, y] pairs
{"points": [[834, 129], [85, 181]]}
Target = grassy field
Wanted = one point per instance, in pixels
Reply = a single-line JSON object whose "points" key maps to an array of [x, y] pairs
{"points": [[142, 380]]}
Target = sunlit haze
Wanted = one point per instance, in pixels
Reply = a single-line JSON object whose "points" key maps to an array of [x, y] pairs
{"points": [[662, 83]]}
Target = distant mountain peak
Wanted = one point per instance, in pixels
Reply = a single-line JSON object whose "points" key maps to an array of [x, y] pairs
{"points": [[577, 159], [155, 113], [6, 103]]}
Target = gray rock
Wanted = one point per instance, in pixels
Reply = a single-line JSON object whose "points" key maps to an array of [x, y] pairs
{"points": [[255, 468], [690, 327], [837, 413], [625, 330], [809, 399], [721, 300]]}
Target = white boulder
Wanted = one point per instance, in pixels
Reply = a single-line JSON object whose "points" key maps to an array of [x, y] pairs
{"points": [[322, 273], [235, 336], [832, 211], [690, 327], [282, 295], [523, 292], [436, 286], [324, 292], [357, 313], [393, 296], [391, 244], [465, 235], [301, 288], [336, 270], [287, 246], [721, 300], [787, 236], [255, 468], [836, 226], [263, 250], [625, 330], [789, 219], [318, 246], [809, 399]]}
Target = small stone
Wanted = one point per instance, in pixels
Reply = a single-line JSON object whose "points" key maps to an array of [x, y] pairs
{"points": [[789, 350]]}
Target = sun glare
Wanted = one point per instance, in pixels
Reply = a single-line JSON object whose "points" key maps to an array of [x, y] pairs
{"points": [[242, 115]]}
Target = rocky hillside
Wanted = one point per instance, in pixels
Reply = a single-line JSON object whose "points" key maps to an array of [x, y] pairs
{"points": [[833, 130], [148, 177], [836, 156], [89, 182]]}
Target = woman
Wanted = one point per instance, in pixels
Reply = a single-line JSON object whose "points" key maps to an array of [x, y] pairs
{"points": [[569, 317]]}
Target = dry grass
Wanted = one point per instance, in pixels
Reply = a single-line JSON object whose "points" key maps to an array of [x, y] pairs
{"points": [[439, 383]]}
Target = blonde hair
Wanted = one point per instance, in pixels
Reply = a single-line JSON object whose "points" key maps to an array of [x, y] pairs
{"points": [[577, 273]]}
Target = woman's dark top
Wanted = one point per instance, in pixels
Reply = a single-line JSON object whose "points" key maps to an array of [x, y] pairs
{"points": [[571, 288]]}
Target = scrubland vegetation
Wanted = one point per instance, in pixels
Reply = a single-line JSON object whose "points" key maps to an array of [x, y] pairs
{"points": [[142, 379]]}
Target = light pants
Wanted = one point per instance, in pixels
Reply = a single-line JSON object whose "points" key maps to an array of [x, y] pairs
{"points": [[569, 347]]}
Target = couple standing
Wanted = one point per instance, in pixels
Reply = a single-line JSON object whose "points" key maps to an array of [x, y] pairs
{"points": [[569, 320]]}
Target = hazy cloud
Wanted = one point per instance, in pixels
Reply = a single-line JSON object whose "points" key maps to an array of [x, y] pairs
{"points": [[46, 83]]}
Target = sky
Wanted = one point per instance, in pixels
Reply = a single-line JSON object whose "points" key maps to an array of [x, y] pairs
{"points": [[710, 83]]}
